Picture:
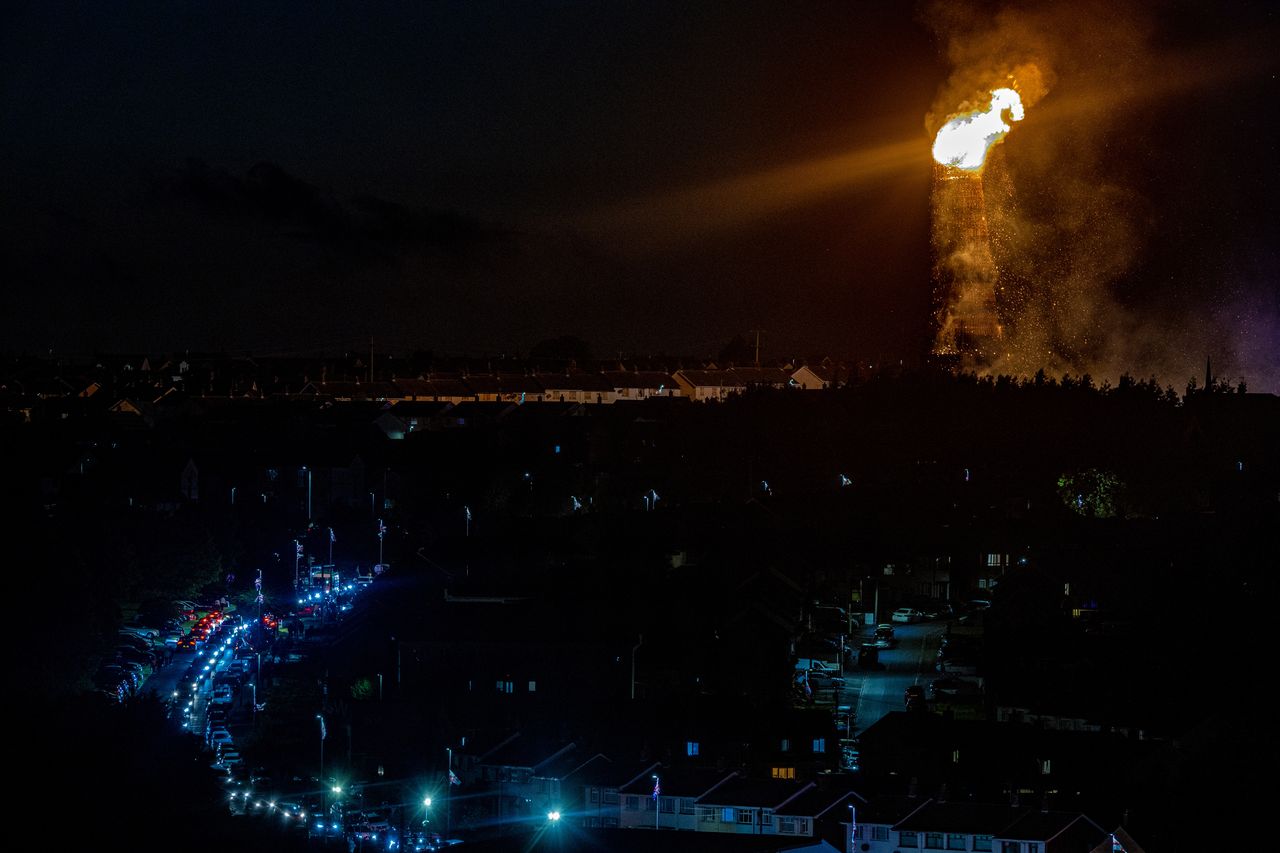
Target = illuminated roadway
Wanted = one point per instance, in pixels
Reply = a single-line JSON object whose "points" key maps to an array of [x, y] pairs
{"points": [[910, 663]]}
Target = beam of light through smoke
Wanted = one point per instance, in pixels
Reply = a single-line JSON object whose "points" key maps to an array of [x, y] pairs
{"points": [[667, 219]]}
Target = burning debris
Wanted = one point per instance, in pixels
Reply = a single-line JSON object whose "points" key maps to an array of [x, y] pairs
{"points": [[969, 327]]}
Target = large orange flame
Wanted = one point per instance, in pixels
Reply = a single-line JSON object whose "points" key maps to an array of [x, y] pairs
{"points": [[963, 141]]}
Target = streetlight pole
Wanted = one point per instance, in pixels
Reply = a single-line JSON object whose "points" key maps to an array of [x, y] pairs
{"points": [[308, 470], [657, 799], [633, 665], [323, 810], [448, 796]]}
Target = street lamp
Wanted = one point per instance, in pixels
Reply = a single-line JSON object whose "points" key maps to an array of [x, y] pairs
{"points": [[553, 816], [308, 470], [633, 665], [657, 799], [323, 811]]}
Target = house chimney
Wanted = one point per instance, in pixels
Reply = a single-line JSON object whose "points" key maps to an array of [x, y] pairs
{"points": [[911, 788], [942, 793]]}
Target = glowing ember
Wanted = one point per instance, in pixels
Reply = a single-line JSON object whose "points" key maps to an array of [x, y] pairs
{"points": [[964, 140]]}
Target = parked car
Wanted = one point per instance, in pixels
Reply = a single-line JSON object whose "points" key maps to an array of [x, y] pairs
{"points": [[907, 614], [943, 610], [954, 686], [124, 638], [958, 666], [913, 691], [134, 656]]}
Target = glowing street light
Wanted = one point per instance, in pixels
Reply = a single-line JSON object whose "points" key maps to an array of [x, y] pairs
{"points": [[426, 802], [553, 816]]}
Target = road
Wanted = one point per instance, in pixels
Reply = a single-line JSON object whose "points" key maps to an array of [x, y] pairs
{"points": [[881, 691]]}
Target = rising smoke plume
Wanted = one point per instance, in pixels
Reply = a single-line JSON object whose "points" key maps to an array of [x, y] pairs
{"points": [[1067, 196]]}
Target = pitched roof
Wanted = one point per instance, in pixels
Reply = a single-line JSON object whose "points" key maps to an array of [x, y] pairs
{"points": [[816, 803], [762, 793], [637, 378], [574, 381], [1045, 825], [681, 781], [889, 810], [610, 774], [968, 818], [709, 378], [522, 751], [760, 375]]}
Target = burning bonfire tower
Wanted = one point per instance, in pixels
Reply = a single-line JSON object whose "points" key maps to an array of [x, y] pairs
{"points": [[969, 329]]}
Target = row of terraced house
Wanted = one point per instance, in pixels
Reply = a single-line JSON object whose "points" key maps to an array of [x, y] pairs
{"points": [[519, 779], [580, 386]]}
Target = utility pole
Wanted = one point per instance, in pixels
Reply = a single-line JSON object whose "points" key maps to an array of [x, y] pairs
{"points": [[371, 358], [633, 665], [757, 332]]}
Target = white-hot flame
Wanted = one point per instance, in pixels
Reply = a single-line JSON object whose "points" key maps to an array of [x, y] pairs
{"points": [[963, 141]]}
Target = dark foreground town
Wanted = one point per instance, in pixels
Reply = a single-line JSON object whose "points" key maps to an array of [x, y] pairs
{"points": [[801, 608]]}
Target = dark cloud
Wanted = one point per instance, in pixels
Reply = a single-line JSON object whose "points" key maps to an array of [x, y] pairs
{"points": [[271, 197]]}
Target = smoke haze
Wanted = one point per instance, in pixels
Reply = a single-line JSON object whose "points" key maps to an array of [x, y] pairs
{"points": [[1106, 265]]}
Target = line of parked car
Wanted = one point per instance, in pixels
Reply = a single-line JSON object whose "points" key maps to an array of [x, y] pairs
{"points": [[136, 652]]}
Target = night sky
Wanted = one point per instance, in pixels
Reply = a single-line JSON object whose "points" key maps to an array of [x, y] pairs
{"points": [[649, 176]]}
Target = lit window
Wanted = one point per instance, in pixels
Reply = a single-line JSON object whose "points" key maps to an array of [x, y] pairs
{"points": [[819, 744], [982, 843], [726, 815], [957, 841], [784, 772], [533, 687], [907, 839], [786, 745], [745, 816], [933, 840], [691, 747]]}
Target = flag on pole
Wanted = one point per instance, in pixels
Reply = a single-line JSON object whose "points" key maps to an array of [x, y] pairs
{"points": [[657, 787], [299, 547], [453, 778], [382, 529], [323, 734], [467, 510], [332, 538]]}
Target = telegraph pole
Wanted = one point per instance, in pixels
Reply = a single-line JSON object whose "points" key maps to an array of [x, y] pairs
{"points": [[757, 332]]}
